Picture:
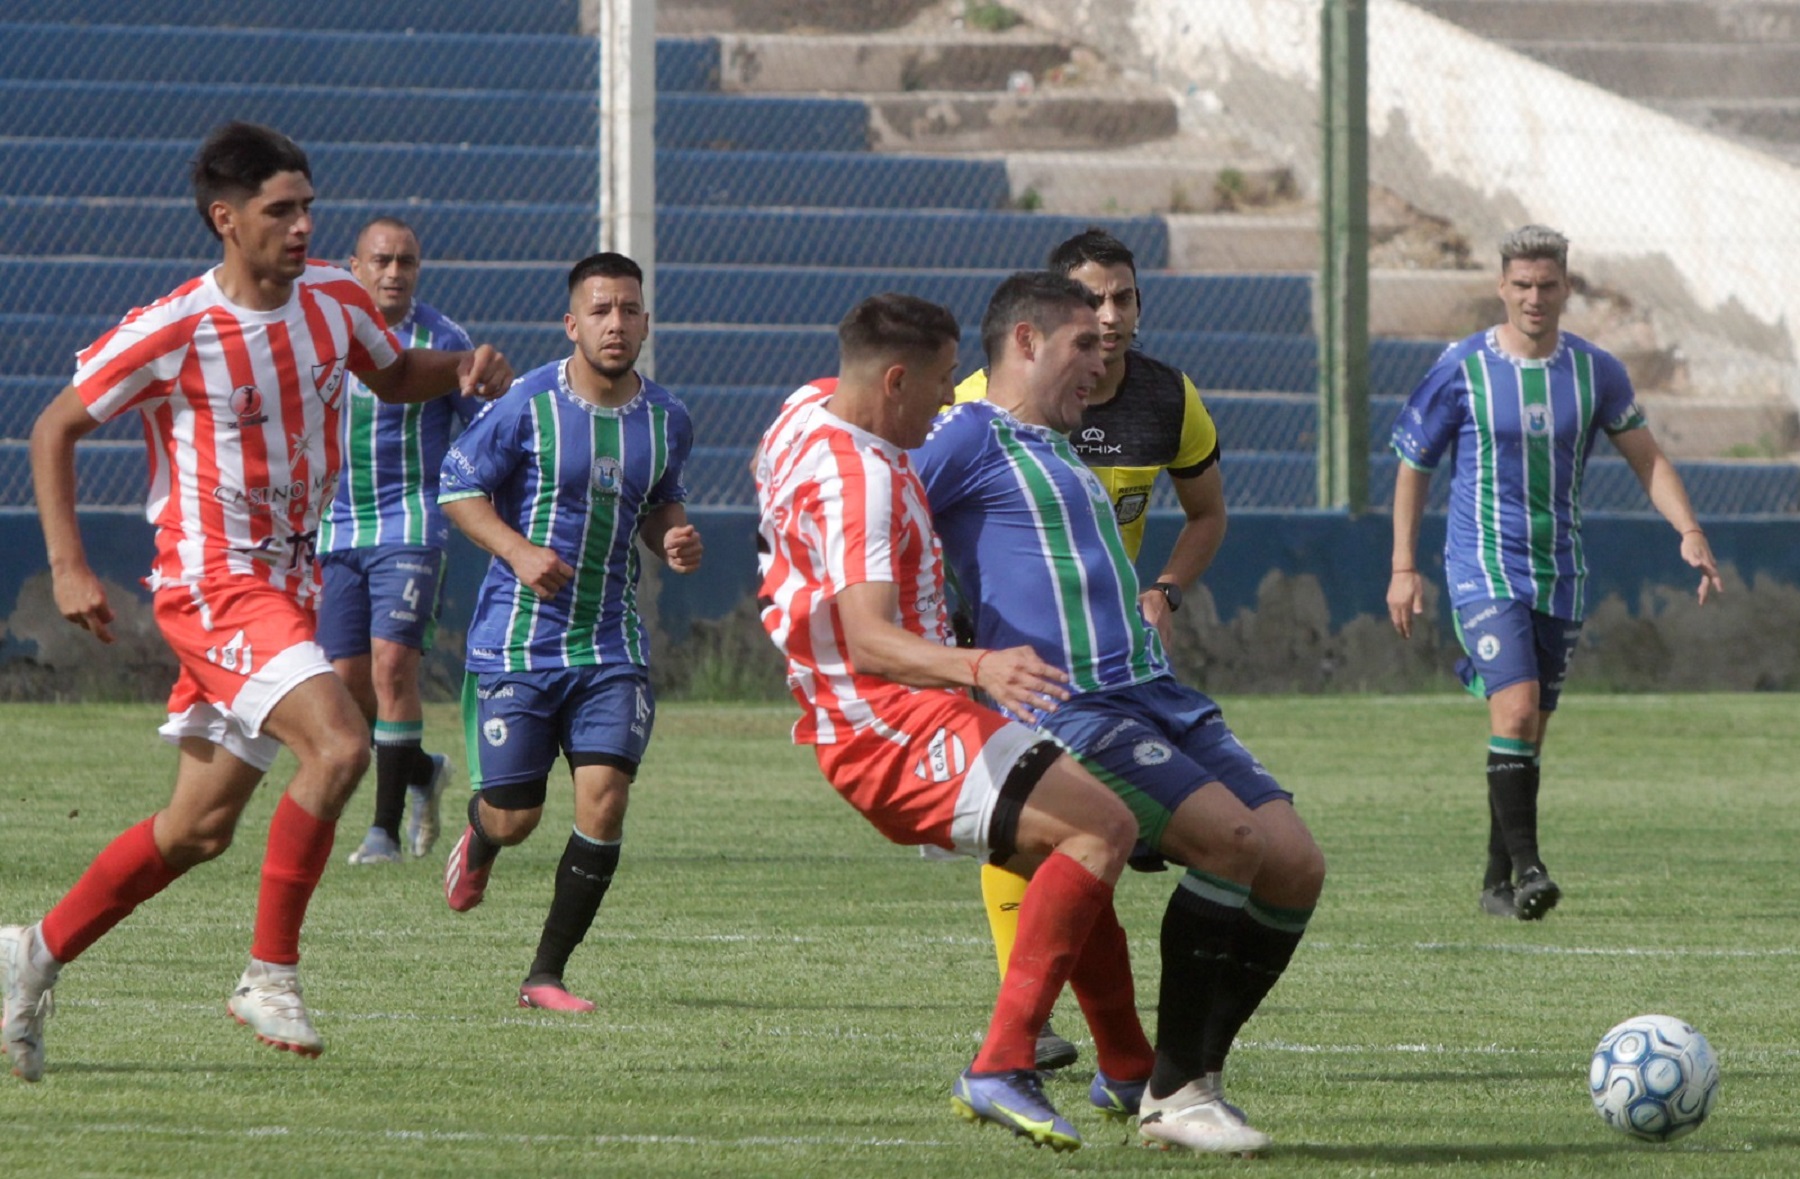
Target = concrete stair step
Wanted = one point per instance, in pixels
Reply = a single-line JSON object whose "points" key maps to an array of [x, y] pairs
{"points": [[1691, 21], [884, 62], [727, 16], [1057, 120], [1168, 176], [1676, 71]]}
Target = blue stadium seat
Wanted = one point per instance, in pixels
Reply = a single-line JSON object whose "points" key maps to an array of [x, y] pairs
{"points": [[684, 294], [399, 172], [439, 16], [316, 115], [167, 227], [386, 59], [35, 344]]}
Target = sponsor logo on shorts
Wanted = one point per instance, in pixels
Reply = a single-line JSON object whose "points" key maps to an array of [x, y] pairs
{"points": [[1151, 753], [1487, 647], [1482, 617], [945, 758], [1113, 734], [403, 616], [413, 567], [503, 692], [1466, 585], [234, 655], [484, 653], [494, 731]]}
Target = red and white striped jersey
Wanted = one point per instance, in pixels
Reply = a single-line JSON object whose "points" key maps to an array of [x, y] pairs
{"points": [[840, 506], [240, 412]]}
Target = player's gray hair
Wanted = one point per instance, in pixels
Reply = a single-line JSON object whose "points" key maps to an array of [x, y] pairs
{"points": [[1534, 243]]}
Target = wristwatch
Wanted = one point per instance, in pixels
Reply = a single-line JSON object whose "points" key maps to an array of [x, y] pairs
{"points": [[1170, 592]]}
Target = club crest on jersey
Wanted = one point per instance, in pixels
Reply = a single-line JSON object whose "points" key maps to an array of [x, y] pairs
{"points": [[944, 758], [494, 731], [607, 476], [246, 406], [328, 381], [1537, 420], [1488, 647], [1151, 753]]}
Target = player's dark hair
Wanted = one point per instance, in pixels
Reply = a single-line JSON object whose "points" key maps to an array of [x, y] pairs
{"points": [[383, 222], [892, 324], [1092, 244], [1535, 243], [1042, 298], [604, 265], [236, 160]]}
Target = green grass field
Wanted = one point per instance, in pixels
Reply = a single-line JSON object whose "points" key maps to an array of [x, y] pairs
{"points": [[783, 993]]}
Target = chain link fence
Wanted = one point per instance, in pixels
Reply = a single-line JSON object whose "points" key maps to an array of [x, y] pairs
{"points": [[777, 211]]}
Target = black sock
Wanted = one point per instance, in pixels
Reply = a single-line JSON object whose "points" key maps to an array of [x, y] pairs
{"points": [[582, 878], [1266, 940], [482, 850], [1514, 802], [393, 771], [1499, 863], [1198, 931], [419, 774]]}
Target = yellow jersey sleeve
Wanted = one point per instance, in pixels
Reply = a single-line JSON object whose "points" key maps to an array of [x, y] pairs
{"points": [[1199, 437]]}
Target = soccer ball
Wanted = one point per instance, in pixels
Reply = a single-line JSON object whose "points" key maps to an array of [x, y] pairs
{"points": [[1654, 1077]]}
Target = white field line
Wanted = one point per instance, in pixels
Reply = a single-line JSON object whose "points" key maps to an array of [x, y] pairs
{"points": [[480, 1137]]}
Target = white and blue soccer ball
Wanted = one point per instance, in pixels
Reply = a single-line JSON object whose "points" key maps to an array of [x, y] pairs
{"points": [[1654, 1077]]}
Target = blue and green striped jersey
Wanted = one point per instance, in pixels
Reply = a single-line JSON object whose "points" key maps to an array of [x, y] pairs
{"points": [[577, 478], [387, 488], [1031, 537], [1519, 434]]}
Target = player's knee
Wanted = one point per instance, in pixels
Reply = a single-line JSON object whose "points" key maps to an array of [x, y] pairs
{"points": [[1233, 849], [199, 842], [340, 759]]}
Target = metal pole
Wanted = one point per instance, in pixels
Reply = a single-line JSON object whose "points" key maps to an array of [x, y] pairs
{"points": [[627, 84], [1344, 263]]}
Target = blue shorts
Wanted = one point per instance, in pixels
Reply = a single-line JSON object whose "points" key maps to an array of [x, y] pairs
{"points": [[1155, 744], [1510, 643], [385, 592], [516, 722]]}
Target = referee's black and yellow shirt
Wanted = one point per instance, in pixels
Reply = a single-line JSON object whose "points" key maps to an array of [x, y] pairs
{"points": [[1155, 422]]}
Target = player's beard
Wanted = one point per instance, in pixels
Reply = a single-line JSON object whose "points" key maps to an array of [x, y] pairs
{"points": [[612, 371]]}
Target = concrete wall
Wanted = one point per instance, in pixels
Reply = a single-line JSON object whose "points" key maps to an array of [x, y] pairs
{"points": [[1294, 603], [1698, 227]]}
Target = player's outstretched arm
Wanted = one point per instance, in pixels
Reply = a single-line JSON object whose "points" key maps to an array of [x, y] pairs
{"points": [[1668, 495], [539, 568], [422, 374], [667, 534], [1016, 679], [80, 597], [1406, 587]]}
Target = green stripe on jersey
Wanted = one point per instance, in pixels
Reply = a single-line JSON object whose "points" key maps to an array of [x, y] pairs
{"points": [[538, 527], [1068, 580], [600, 532], [1487, 498], [1586, 402], [1539, 456]]}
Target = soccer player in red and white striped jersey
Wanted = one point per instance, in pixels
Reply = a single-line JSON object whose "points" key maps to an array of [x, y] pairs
{"points": [[238, 376], [853, 593]]}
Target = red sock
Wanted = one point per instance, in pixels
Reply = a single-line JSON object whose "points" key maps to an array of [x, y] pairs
{"points": [[1059, 908], [1102, 983], [126, 873], [299, 849]]}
